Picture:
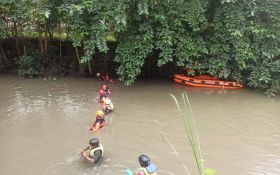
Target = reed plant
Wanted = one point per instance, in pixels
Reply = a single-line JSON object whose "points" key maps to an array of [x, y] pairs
{"points": [[186, 112]]}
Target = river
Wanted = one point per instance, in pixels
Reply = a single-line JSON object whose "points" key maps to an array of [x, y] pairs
{"points": [[43, 127]]}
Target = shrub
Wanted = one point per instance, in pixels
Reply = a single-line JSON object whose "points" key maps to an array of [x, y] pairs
{"points": [[28, 66]]}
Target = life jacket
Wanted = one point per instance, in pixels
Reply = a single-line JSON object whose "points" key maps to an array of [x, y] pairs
{"points": [[108, 104], [149, 170], [92, 150], [99, 120]]}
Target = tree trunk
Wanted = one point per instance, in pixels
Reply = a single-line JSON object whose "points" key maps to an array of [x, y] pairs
{"points": [[67, 32], [79, 61], [60, 43], [89, 68], [149, 67], [78, 55], [60, 51], [23, 42], [7, 28], [16, 38], [105, 63], [3, 56], [46, 40], [50, 35], [41, 43], [24, 48], [41, 46]]}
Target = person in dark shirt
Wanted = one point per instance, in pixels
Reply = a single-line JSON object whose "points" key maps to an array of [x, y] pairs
{"points": [[93, 152]]}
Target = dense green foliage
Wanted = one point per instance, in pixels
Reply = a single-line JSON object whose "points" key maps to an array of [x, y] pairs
{"points": [[28, 67], [232, 39]]}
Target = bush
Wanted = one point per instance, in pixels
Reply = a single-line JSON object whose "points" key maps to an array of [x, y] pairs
{"points": [[266, 77], [28, 66]]}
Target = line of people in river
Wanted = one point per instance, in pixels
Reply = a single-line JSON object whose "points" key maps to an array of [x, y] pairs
{"points": [[94, 151]]}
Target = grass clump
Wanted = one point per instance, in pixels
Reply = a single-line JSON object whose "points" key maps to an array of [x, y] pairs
{"points": [[185, 111]]}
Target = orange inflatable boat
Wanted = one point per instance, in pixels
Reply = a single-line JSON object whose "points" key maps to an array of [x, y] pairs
{"points": [[205, 81]]}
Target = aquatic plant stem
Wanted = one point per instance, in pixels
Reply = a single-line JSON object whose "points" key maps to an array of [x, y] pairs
{"points": [[196, 133], [191, 130], [191, 137], [174, 150], [189, 133]]}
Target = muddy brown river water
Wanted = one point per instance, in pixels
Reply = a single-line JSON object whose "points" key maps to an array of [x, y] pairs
{"points": [[43, 127]]}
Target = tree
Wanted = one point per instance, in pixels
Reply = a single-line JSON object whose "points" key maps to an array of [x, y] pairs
{"points": [[90, 23]]}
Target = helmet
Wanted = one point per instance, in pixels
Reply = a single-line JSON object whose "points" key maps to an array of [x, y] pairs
{"points": [[144, 160], [98, 74], [94, 142], [101, 92], [99, 113]]}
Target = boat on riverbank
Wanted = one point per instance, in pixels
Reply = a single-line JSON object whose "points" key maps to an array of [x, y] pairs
{"points": [[205, 81]]}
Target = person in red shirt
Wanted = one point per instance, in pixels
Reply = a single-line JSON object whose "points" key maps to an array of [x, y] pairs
{"points": [[102, 96], [105, 78], [106, 90]]}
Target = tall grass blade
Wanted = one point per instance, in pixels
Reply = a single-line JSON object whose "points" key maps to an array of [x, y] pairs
{"points": [[191, 135], [174, 150], [191, 130], [177, 104], [196, 133]]}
